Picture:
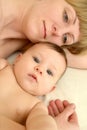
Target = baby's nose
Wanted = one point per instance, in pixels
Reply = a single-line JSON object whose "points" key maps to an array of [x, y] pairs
{"points": [[38, 69]]}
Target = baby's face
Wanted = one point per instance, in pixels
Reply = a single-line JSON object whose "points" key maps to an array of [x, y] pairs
{"points": [[38, 69]]}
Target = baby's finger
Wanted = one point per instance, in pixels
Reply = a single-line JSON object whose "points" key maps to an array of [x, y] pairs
{"points": [[65, 103], [59, 105], [50, 111], [54, 107]]}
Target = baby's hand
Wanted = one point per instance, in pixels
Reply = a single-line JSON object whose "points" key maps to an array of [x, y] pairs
{"points": [[64, 114]]}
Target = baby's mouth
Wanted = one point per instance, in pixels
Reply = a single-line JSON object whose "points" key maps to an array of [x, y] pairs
{"points": [[33, 76]]}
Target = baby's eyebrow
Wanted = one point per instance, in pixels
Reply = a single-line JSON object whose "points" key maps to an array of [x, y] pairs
{"points": [[53, 67]]}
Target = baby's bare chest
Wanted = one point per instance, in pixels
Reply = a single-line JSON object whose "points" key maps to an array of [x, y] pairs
{"points": [[14, 108]]}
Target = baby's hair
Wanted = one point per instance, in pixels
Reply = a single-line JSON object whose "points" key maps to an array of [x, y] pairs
{"points": [[49, 44]]}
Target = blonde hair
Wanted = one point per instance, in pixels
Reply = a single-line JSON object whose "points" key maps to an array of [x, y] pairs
{"points": [[80, 7]]}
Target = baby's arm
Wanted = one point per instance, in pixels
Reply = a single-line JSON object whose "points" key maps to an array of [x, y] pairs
{"points": [[3, 63], [64, 114], [39, 119]]}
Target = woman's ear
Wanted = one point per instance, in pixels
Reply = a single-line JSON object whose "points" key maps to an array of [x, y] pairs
{"points": [[18, 57]]}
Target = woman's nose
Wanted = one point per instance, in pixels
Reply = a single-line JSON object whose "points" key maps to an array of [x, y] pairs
{"points": [[60, 29], [38, 69], [56, 31]]}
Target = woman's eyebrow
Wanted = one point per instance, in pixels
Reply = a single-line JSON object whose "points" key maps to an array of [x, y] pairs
{"points": [[73, 15], [74, 23], [73, 38], [75, 20]]}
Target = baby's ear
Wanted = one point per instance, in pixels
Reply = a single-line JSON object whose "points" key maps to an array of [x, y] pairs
{"points": [[18, 57], [52, 88]]}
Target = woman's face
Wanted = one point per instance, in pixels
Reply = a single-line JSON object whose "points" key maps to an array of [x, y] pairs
{"points": [[53, 21]]}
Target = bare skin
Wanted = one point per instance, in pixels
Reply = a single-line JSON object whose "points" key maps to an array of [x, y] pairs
{"points": [[20, 85], [57, 108], [11, 37], [14, 32], [23, 81], [16, 114]]}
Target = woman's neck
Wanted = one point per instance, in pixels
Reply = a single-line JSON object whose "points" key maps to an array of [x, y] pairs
{"points": [[14, 12], [23, 16]]}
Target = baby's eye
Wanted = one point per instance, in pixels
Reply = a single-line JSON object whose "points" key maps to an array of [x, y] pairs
{"points": [[49, 72], [65, 37], [65, 16], [36, 59]]}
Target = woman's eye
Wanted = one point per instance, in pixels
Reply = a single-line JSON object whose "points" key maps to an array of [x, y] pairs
{"points": [[50, 72], [65, 38], [65, 17], [36, 59]]}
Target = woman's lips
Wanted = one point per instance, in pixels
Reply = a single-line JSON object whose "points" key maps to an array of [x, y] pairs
{"points": [[44, 29]]}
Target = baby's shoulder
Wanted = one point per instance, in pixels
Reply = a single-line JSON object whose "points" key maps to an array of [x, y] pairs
{"points": [[41, 106], [3, 63]]}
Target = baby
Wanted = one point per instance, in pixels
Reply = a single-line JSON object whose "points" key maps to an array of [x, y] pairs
{"points": [[32, 74]]}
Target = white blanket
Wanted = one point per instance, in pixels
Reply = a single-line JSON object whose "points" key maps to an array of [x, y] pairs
{"points": [[73, 87]]}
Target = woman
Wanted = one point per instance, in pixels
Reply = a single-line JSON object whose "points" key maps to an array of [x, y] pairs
{"points": [[61, 22]]}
